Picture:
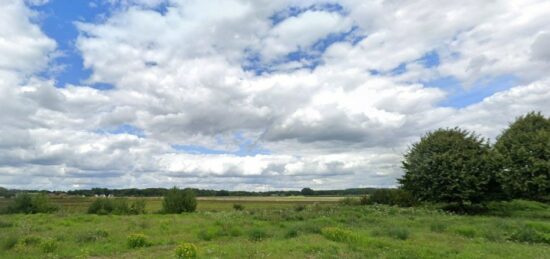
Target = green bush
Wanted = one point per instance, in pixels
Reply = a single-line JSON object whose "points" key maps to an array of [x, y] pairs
{"points": [[397, 197], [466, 231], [398, 233], [137, 207], [522, 153], [299, 207], [186, 250], [338, 234], [206, 234], [438, 227], [258, 234], [291, 233], [237, 206], [4, 224], [117, 206], [9, 242], [178, 201], [349, 201], [30, 204], [449, 165], [528, 234], [137, 240]]}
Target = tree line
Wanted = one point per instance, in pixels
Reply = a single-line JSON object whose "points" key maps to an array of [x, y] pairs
{"points": [[158, 192]]}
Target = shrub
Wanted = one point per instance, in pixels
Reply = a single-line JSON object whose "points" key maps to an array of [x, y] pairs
{"points": [[137, 207], [27, 203], [522, 152], [118, 206], [398, 233], [338, 234], [528, 234], [137, 240], [9, 242], [392, 197], [101, 206], [438, 227], [178, 201], [291, 233], [206, 234], [257, 234], [4, 224], [349, 201], [238, 206], [186, 250], [48, 246], [448, 165], [468, 232], [299, 207]]}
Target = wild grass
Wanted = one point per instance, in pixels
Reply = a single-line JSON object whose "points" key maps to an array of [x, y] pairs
{"points": [[326, 230]]}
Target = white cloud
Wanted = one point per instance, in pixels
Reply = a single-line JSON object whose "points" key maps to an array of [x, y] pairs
{"points": [[178, 77]]}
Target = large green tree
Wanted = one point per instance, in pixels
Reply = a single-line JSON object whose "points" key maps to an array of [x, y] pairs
{"points": [[448, 165], [523, 155]]}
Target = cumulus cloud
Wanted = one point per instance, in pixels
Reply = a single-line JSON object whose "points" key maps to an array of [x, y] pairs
{"points": [[183, 81]]}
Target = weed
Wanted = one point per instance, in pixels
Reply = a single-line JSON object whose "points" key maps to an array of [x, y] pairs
{"points": [[186, 250], [438, 227], [9, 242], [291, 233], [528, 234], [237, 206], [137, 241], [398, 233], [91, 236], [465, 231], [48, 246], [4, 224], [338, 234]]}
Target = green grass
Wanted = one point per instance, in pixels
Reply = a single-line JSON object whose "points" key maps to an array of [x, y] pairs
{"points": [[278, 228]]}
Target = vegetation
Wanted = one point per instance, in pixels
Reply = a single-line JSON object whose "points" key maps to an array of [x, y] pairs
{"points": [[523, 153], [398, 197], [448, 165], [30, 204], [511, 229], [118, 206], [178, 201]]}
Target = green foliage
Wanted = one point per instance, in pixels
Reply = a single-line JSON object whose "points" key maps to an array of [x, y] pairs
{"points": [[291, 233], [392, 197], [237, 206], [398, 233], [206, 234], [9, 242], [48, 246], [338, 234], [465, 231], [438, 227], [186, 250], [349, 201], [137, 207], [448, 165], [30, 204], [522, 152], [528, 234], [258, 234], [5, 224], [118, 206], [137, 241], [178, 201]]}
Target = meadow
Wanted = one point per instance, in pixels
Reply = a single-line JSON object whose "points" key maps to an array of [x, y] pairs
{"points": [[280, 227]]}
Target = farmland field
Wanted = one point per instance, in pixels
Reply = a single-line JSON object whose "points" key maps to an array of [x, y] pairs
{"points": [[281, 227]]}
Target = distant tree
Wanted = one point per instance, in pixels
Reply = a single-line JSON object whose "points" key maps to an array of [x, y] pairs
{"points": [[4, 192], [178, 201], [307, 191], [523, 155], [222, 193], [448, 165]]}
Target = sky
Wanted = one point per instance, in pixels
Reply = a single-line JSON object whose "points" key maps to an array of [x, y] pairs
{"points": [[255, 95]]}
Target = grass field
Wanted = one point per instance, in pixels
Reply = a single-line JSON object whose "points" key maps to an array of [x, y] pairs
{"points": [[273, 227]]}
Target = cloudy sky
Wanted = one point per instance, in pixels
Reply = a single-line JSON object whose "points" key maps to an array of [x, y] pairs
{"points": [[255, 94]]}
